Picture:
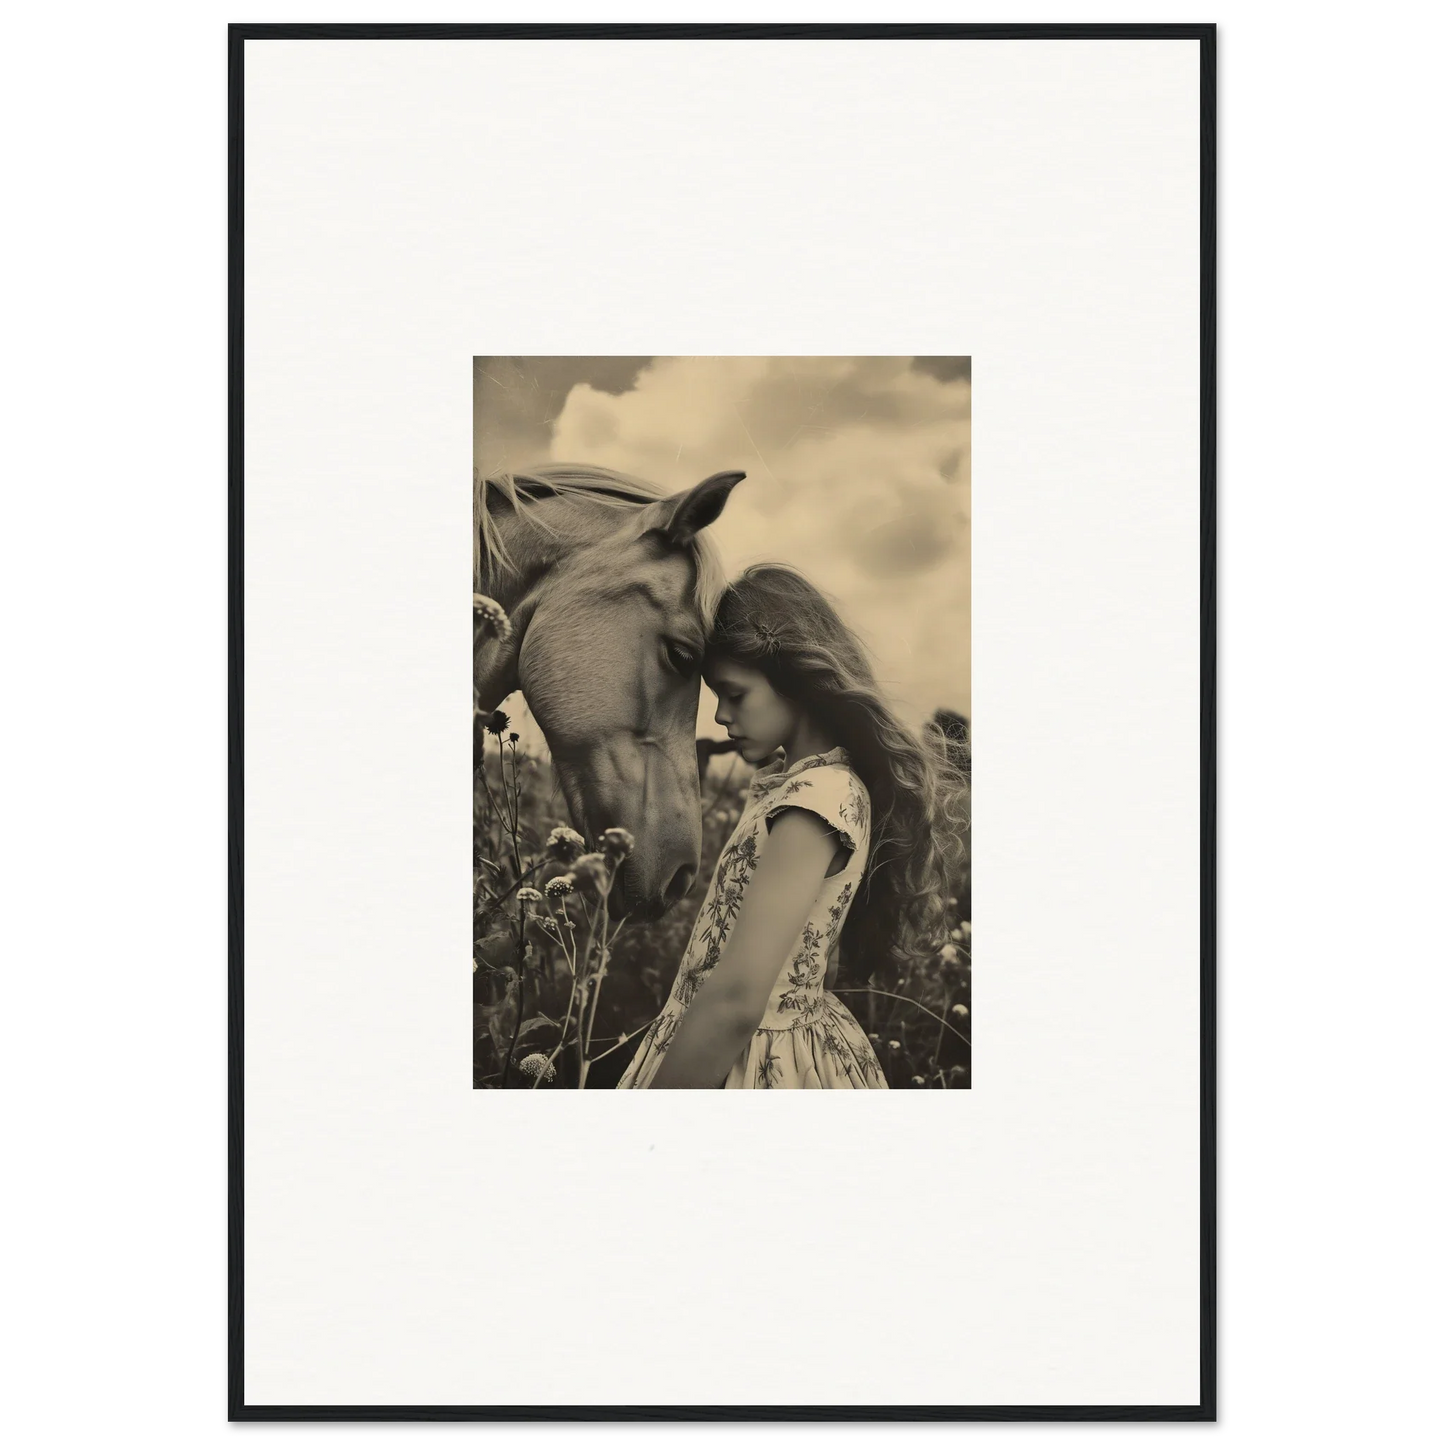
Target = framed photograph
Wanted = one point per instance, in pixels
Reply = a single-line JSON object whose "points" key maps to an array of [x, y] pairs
{"points": [[799, 400], [821, 598]]}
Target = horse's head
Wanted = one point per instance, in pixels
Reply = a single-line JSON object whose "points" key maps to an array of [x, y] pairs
{"points": [[610, 668]]}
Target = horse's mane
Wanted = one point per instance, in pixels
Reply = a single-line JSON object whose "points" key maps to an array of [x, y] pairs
{"points": [[572, 482]]}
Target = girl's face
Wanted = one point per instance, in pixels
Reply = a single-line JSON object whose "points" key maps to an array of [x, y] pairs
{"points": [[747, 706]]}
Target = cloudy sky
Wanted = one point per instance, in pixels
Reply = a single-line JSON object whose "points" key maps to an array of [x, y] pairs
{"points": [[858, 474]]}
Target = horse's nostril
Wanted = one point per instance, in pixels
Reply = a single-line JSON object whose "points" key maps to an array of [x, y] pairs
{"points": [[681, 882]]}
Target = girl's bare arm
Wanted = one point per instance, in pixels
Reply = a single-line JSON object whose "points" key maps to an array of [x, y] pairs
{"points": [[731, 1003]]}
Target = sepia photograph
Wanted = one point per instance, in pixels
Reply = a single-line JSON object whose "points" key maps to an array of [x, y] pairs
{"points": [[721, 722]]}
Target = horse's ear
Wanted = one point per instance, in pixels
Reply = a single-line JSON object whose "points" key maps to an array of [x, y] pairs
{"points": [[681, 517]]}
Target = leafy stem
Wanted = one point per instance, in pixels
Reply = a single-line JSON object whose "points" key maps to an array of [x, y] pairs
{"points": [[883, 993]]}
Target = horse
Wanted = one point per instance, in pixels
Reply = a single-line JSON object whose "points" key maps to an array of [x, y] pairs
{"points": [[610, 585]]}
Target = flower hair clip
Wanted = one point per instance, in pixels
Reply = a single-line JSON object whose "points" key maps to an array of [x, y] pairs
{"points": [[770, 638]]}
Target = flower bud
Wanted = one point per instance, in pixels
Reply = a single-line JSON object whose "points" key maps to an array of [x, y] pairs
{"points": [[560, 887], [538, 1066], [564, 844], [591, 875]]}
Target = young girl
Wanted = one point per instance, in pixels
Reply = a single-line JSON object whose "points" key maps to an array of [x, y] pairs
{"points": [[848, 840]]}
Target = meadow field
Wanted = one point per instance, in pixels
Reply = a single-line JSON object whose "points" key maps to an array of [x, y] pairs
{"points": [[561, 994]]}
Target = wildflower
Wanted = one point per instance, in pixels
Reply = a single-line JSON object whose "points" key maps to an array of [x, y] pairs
{"points": [[490, 617], [538, 1066], [514, 738], [957, 935], [917, 1081], [617, 842], [564, 844], [957, 1077], [894, 1045], [874, 1039], [959, 1009], [953, 903], [498, 723], [560, 887], [966, 930], [590, 872], [949, 956], [474, 965], [528, 895]]}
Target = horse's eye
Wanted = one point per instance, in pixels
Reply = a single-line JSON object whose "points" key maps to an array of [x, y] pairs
{"points": [[682, 660]]}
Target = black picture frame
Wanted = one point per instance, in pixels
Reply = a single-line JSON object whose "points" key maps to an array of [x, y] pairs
{"points": [[1210, 33]]}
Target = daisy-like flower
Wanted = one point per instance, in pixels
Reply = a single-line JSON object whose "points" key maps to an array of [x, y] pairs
{"points": [[959, 1009], [560, 887], [894, 1045], [538, 1066], [498, 723], [617, 842], [565, 844], [528, 895]]}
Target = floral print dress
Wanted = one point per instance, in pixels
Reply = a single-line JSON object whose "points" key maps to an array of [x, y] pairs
{"points": [[807, 1038]]}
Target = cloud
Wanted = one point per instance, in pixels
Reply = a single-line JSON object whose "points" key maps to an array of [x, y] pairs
{"points": [[858, 473], [945, 368], [516, 399]]}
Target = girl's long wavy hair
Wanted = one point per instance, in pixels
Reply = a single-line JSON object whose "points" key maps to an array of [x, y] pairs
{"points": [[772, 619]]}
